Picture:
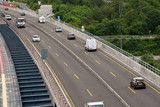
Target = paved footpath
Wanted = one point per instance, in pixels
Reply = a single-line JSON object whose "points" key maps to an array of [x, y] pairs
{"points": [[9, 89]]}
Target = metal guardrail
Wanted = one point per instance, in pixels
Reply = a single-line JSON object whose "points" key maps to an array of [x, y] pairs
{"points": [[144, 64]]}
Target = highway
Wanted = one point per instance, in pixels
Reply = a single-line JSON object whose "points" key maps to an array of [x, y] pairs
{"points": [[79, 82]]}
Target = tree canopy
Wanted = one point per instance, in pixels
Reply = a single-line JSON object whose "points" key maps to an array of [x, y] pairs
{"points": [[120, 17]]}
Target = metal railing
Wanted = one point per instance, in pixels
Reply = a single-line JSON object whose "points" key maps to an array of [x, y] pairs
{"points": [[144, 64]]}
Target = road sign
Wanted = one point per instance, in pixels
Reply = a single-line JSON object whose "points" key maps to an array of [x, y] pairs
{"points": [[82, 28], [24, 8], [58, 18], [44, 54]]}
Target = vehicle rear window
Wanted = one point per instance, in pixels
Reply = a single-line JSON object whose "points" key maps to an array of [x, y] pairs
{"points": [[139, 80]]}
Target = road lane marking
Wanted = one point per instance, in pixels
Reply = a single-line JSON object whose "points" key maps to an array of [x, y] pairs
{"points": [[81, 40], [54, 75], [57, 54], [49, 47], [60, 83], [117, 63], [75, 45], [89, 92], [98, 62], [76, 76], [153, 88], [86, 53], [43, 41], [34, 46], [31, 31], [132, 90], [128, 70], [65, 64], [113, 74], [4, 93]]}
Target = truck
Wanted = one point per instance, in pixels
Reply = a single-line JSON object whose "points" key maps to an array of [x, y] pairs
{"points": [[42, 19], [20, 22], [94, 104], [91, 45]]}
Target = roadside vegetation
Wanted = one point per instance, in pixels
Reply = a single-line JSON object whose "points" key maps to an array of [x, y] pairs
{"points": [[121, 17], [147, 48]]}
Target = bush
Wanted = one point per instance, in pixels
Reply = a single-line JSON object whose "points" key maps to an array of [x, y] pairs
{"points": [[147, 57]]}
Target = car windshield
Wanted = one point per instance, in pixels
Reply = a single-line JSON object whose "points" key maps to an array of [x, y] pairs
{"points": [[35, 36], [71, 35], [20, 20], [96, 106], [139, 80]]}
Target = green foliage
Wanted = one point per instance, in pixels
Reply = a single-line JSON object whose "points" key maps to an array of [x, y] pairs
{"points": [[153, 19], [138, 46], [147, 57], [121, 17], [16, 5], [158, 29]]}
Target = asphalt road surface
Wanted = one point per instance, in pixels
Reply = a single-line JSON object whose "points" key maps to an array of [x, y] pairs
{"points": [[81, 85]]}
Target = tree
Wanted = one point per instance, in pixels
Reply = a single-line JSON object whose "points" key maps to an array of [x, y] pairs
{"points": [[153, 19], [138, 28], [147, 57], [118, 5], [158, 29]]}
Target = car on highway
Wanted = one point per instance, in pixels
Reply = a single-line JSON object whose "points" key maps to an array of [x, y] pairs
{"points": [[71, 36], [2, 14], [36, 38], [42, 19], [90, 44], [8, 17], [6, 9], [58, 29], [23, 14], [94, 104], [137, 82]]}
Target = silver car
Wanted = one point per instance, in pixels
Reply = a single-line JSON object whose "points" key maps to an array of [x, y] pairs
{"points": [[36, 38], [58, 29], [8, 17]]}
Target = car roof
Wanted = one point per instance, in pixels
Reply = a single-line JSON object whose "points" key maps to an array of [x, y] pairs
{"points": [[35, 35], [20, 18], [95, 103], [138, 78], [71, 33]]}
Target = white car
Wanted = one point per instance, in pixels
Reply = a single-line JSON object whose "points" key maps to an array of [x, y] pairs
{"points": [[8, 17], [42, 19], [58, 29], [36, 38]]}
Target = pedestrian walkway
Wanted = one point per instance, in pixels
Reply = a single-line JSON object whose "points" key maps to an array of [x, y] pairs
{"points": [[9, 89]]}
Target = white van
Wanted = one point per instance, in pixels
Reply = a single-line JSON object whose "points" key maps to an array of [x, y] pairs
{"points": [[94, 104], [42, 19], [91, 45]]}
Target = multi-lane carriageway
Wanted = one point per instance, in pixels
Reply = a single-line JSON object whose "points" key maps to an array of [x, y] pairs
{"points": [[79, 83]]}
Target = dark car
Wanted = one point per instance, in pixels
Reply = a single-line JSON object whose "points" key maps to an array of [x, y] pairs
{"points": [[23, 14], [137, 82], [71, 36], [2, 14], [6, 9]]}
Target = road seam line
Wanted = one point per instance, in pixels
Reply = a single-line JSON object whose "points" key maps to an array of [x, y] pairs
{"points": [[132, 90], [65, 64], [76, 76], [89, 92], [98, 62], [113, 74]]}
